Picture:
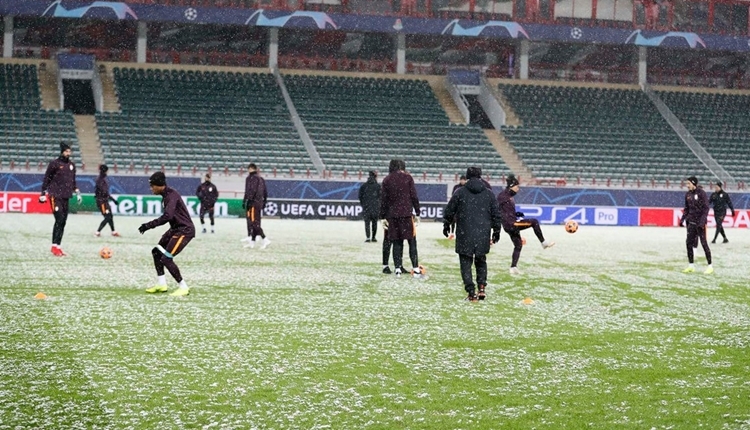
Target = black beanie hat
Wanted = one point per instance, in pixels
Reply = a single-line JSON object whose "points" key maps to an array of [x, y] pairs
{"points": [[63, 147], [511, 181], [693, 180], [719, 184], [103, 168], [158, 179], [473, 172]]}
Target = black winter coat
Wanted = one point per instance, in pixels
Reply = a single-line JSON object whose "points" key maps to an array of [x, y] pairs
{"points": [[475, 210], [369, 198]]}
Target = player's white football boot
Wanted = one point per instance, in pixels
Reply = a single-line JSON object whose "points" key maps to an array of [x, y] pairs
{"points": [[548, 244], [514, 271], [266, 242]]}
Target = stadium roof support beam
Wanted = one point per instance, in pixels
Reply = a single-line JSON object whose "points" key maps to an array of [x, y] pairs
{"points": [[8, 37], [642, 65], [273, 47], [401, 54], [523, 71], [140, 53]]}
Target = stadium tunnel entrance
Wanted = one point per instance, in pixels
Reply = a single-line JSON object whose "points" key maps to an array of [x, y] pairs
{"points": [[79, 96], [477, 115]]}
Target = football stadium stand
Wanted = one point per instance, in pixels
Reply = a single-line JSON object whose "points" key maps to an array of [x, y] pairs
{"points": [[719, 122], [359, 124], [596, 132], [29, 134], [187, 119]]}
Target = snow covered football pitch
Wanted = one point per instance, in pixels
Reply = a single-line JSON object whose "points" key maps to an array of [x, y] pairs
{"points": [[309, 334]]}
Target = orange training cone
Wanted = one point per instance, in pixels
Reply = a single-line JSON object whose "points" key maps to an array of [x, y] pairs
{"points": [[528, 301], [40, 296]]}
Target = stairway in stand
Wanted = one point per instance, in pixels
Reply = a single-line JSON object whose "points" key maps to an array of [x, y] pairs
{"points": [[47, 75], [510, 156], [88, 139], [109, 93], [437, 83]]}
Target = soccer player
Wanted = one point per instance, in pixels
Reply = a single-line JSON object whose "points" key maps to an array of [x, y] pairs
{"points": [[60, 184], [514, 222], [461, 183], [398, 197], [255, 199], [474, 209], [173, 241], [386, 252], [369, 198], [720, 201], [102, 196], [695, 214], [207, 194]]}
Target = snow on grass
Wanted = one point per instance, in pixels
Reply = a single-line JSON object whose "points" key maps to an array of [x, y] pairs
{"points": [[309, 334]]}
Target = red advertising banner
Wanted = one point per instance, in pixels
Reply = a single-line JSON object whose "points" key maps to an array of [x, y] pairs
{"points": [[24, 203], [670, 217]]}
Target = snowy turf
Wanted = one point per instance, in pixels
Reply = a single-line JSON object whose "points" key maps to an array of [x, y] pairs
{"points": [[309, 334]]}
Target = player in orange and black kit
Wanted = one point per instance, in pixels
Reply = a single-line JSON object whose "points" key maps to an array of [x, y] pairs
{"points": [[207, 194], [173, 241], [695, 215], [514, 222], [256, 196], [102, 196], [60, 183]]}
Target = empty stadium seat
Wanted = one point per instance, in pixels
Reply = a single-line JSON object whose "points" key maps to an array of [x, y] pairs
{"points": [[27, 133], [360, 124], [596, 133], [719, 122], [200, 119]]}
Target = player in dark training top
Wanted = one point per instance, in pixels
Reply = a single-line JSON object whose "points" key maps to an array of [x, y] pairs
{"points": [[207, 194], [102, 196], [514, 222], [254, 201], [173, 241], [720, 201], [695, 215], [60, 184], [398, 198]]}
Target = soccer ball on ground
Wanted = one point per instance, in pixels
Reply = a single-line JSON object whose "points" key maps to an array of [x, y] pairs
{"points": [[571, 226], [105, 253]]}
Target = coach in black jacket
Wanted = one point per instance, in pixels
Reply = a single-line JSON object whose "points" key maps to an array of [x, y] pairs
{"points": [[369, 198], [475, 211]]}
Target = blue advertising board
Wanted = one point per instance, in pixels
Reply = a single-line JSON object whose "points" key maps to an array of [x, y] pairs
{"points": [[295, 189]]}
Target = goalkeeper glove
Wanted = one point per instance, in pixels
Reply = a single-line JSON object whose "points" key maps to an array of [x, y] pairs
{"points": [[519, 214], [79, 199], [446, 229], [42, 198], [495, 236], [142, 229], [384, 223], [417, 221]]}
